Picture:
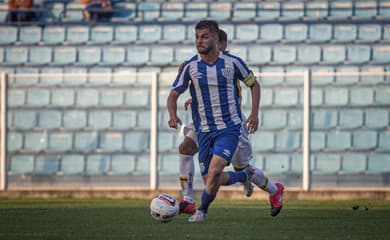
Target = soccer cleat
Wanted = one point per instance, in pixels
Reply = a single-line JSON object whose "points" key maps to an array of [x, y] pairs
{"points": [[186, 207], [199, 216], [248, 186], [277, 200]]}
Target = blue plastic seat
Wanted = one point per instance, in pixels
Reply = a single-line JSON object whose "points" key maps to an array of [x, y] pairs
{"points": [[239, 50], [124, 76], [317, 9], [143, 165], [113, 55], [29, 35], [190, 34], [351, 119], [317, 140], [336, 96], [35, 141], [308, 54], [195, 11], [52, 35], [62, 97], [244, 11], [51, 76], [378, 163], [344, 33], [74, 119], [136, 142], [173, 33], [338, 141], [26, 76], [37, 97], [358, 54], [271, 32], [220, 10], [292, 10], [50, 119], [125, 34], [381, 54], [324, 119], [54, 10], [39, 56], [275, 119], [72, 164], [347, 79], [365, 140], [384, 9], [101, 34], [85, 141], [376, 118], [384, 141], [74, 76], [64, 55], [272, 80], [166, 141], [124, 119], [8, 35], [144, 117], [382, 96], [295, 32], [365, 9], [276, 164], [124, 12], [111, 98], [259, 54], [327, 164], [73, 12], [287, 141], [317, 79], [340, 9], [354, 163], [98, 76], [16, 55], [246, 33], [16, 97], [122, 164], [137, 97], [265, 141], [161, 55], [22, 164], [149, 11], [371, 79], [229, 29], [3, 11], [386, 33], [97, 164], [294, 80], [283, 54], [14, 141], [183, 53], [369, 33], [149, 33], [172, 11], [320, 33], [268, 10], [333, 54], [76, 35], [88, 55], [60, 141], [111, 142], [286, 97], [169, 165], [137, 55]]}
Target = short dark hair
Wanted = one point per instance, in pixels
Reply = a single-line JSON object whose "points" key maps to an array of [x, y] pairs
{"points": [[222, 36], [209, 24]]}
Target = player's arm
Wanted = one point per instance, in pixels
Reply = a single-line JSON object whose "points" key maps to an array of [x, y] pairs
{"points": [[172, 109], [253, 119]]}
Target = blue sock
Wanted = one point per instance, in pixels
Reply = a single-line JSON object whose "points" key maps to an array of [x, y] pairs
{"points": [[206, 200], [235, 177]]}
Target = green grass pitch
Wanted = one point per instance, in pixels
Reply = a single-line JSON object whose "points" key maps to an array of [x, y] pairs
{"points": [[233, 219]]}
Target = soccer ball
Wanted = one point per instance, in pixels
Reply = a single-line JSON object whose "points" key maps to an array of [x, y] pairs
{"points": [[164, 207]]}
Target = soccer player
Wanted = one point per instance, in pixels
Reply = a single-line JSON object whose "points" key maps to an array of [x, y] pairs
{"points": [[216, 112], [241, 159]]}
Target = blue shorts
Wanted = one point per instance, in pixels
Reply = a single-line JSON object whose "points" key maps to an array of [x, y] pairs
{"points": [[221, 142]]}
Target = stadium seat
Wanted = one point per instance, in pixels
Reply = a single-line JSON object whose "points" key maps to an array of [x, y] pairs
{"points": [[16, 97], [365, 9], [1, 55], [74, 119], [21, 164], [386, 33], [26, 77], [124, 119], [64, 55], [169, 165], [89, 55], [171, 11], [369, 33], [87, 97], [271, 32], [384, 9], [149, 33], [111, 97], [294, 80], [145, 76], [183, 53], [320, 33], [295, 33], [376, 118], [76, 35], [286, 97], [54, 9], [97, 164], [283, 54], [3, 11], [122, 164], [53, 35], [124, 12], [137, 97], [353, 163], [364, 140], [99, 76], [173, 33], [275, 119], [16, 55], [268, 10], [358, 54], [317, 140], [136, 142], [125, 34], [271, 80], [39, 56], [166, 141], [195, 11], [350, 118], [308, 54], [144, 117], [324, 119], [239, 50], [371, 79], [220, 11], [259, 54], [229, 29], [149, 11], [51, 76], [166, 77], [276, 164], [380, 54], [287, 141], [338, 141], [347, 80], [382, 95], [29, 35], [101, 34], [50, 119], [124, 76], [161, 55], [62, 97], [60, 141], [244, 11], [72, 164], [292, 10], [113, 55], [110, 142], [8, 35], [99, 119], [327, 164], [35, 141], [344, 33], [316, 10], [265, 141], [85, 141], [322, 80], [14, 141], [143, 165], [37, 97], [340, 10], [73, 12], [74, 76], [336, 96], [137, 55], [246, 33], [333, 54], [362, 96], [190, 34], [384, 141], [378, 163]]}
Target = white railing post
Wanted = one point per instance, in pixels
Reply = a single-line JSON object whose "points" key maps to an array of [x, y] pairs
{"points": [[306, 133], [153, 132], [3, 130]]}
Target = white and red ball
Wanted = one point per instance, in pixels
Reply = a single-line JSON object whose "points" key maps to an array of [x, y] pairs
{"points": [[164, 207]]}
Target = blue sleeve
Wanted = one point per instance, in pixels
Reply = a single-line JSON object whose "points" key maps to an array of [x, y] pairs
{"points": [[181, 83]]}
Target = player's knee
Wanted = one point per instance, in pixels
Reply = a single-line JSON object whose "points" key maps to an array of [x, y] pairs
{"points": [[187, 148]]}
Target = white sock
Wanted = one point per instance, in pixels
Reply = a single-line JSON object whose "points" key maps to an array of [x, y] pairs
{"points": [[187, 169], [263, 182]]}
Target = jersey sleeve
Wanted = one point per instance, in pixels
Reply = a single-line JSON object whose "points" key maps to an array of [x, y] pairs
{"points": [[182, 80], [244, 73]]}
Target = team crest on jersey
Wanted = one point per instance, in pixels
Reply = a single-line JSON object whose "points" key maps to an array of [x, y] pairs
{"points": [[226, 72]]}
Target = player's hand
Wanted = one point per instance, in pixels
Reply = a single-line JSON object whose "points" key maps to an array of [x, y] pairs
{"points": [[174, 122], [252, 123], [187, 103]]}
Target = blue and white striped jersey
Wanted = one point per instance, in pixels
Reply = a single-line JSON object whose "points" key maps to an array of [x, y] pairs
{"points": [[213, 88]]}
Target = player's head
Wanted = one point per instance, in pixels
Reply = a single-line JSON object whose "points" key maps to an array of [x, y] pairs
{"points": [[206, 33], [222, 44]]}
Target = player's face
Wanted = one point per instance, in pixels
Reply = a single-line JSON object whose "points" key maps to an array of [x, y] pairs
{"points": [[205, 41]]}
